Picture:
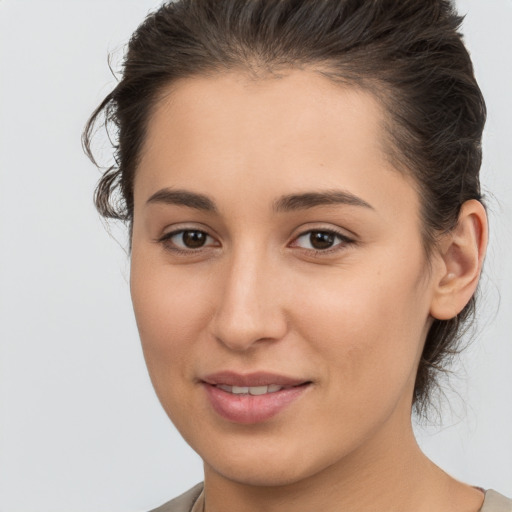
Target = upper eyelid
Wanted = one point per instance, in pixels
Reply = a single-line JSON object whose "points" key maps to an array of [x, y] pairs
{"points": [[341, 232], [303, 231], [333, 231], [170, 234], [180, 227]]}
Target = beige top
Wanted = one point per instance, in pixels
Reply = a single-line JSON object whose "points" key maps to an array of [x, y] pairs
{"points": [[193, 501]]}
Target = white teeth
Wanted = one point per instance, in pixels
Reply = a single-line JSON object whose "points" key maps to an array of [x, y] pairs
{"points": [[250, 390], [258, 390], [240, 390]]}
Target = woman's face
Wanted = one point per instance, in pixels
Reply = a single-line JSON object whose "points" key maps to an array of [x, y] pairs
{"points": [[278, 275]]}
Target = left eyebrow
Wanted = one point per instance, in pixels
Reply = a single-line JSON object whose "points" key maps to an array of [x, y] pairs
{"points": [[307, 200]]}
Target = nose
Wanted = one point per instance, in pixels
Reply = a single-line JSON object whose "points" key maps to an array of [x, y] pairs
{"points": [[250, 307]]}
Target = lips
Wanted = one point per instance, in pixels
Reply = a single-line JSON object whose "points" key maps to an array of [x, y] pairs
{"points": [[250, 390], [251, 398], [229, 378]]}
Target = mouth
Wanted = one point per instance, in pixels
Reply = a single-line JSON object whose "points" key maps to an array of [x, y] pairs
{"points": [[252, 398], [252, 390], [234, 382]]}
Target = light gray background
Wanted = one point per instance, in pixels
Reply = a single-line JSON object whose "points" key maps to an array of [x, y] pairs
{"points": [[81, 429]]}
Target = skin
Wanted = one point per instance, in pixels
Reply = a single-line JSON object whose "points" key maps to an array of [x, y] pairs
{"points": [[352, 320]]}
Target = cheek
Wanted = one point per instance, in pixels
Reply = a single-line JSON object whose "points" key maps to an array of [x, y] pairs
{"points": [[171, 308], [369, 327]]}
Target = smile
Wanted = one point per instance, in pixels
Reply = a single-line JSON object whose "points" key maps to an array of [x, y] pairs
{"points": [[250, 390], [252, 398]]}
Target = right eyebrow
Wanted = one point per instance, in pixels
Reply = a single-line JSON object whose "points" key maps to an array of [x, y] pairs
{"points": [[183, 198]]}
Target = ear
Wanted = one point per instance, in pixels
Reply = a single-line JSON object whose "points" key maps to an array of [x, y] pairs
{"points": [[461, 255]]}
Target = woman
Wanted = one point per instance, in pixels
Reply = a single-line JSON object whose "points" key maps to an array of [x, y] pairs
{"points": [[300, 181]]}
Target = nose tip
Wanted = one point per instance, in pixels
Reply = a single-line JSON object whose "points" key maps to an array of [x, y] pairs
{"points": [[241, 334], [249, 310]]}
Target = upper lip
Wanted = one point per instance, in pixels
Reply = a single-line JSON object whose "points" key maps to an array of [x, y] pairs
{"points": [[230, 378]]}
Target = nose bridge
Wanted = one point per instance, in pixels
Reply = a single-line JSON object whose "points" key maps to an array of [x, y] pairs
{"points": [[249, 308]]}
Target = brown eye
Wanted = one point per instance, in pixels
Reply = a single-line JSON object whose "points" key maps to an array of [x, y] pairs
{"points": [[321, 239], [193, 239], [187, 239]]}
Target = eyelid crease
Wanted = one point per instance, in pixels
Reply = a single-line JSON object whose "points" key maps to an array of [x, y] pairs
{"points": [[178, 227]]}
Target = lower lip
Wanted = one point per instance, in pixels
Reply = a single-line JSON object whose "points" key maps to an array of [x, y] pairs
{"points": [[247, 409]]}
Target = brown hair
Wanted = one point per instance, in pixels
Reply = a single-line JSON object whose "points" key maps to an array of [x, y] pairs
{"points": [[408, 53]]}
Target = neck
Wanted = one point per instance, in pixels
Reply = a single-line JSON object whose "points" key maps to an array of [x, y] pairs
{"points": [[388, 473]]}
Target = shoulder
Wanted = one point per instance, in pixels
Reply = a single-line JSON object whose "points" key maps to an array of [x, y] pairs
{"points": [[182, 503], [496, 502], [493, 502]]}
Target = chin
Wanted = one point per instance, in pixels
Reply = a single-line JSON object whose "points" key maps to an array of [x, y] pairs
{"points": [[267, 462], [273, 473]]}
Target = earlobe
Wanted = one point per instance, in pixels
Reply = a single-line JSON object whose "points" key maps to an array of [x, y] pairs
{"points": [[461, 254]]}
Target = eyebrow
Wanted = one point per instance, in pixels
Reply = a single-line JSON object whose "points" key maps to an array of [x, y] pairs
{"points": [[311, 199], [183, 198], [287, 203]]}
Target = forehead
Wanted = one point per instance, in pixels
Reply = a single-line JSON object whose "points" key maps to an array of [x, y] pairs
{"points": [[299, 131], [282, 109]]}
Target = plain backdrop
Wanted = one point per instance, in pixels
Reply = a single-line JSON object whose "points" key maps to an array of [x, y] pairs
{"points": [[80, 426]]}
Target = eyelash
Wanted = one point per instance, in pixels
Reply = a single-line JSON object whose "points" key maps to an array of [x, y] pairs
{"points": [[342, 241], [340, 244]]}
